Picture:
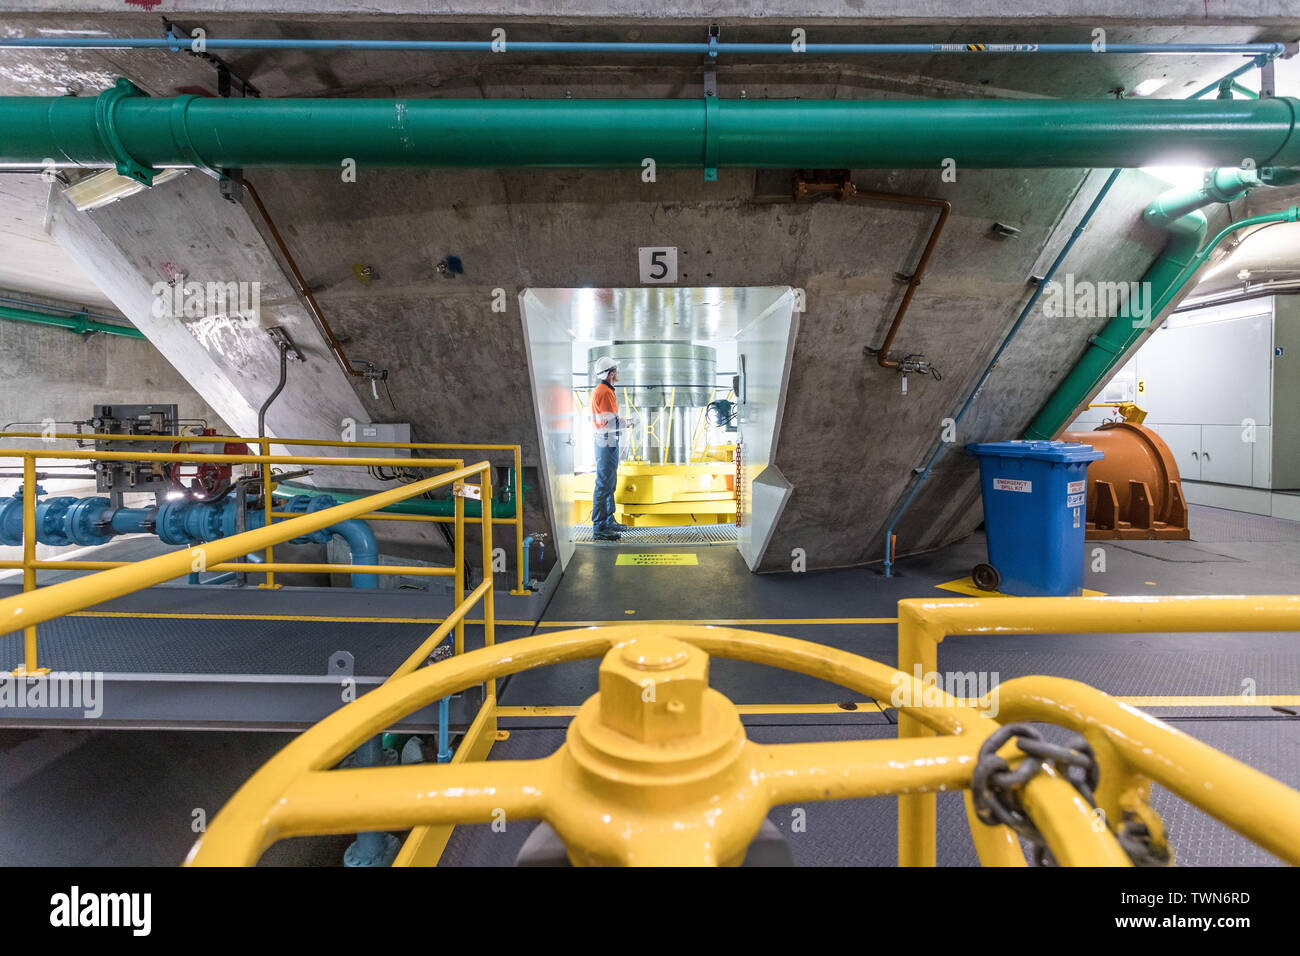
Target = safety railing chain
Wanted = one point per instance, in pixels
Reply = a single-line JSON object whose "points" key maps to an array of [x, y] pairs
{"points": [[996, 788]]}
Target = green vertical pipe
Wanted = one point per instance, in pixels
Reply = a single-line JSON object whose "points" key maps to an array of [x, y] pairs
{"points": [[74, 323], [1176, 265], [125, 129]]}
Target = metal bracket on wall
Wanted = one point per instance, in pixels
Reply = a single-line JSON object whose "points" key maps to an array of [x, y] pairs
{"points": [[227, 78], [711, 107]]}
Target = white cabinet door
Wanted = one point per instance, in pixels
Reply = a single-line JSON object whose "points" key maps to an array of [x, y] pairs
{"points": [[1185, 442], [1225, 457]]}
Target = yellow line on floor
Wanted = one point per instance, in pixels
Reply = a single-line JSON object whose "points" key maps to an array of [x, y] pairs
{"points": [[871, 706], [728, 622], [859, 707], [180, 615], [1231, 700]]}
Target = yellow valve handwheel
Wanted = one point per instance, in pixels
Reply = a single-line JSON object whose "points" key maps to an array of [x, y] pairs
{"points": [[655, 769]]}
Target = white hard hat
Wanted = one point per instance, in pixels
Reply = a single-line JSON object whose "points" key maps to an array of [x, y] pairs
{"points": [[603, 365]]}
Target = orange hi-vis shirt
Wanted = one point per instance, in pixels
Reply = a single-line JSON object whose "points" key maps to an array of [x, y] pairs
{"points": [[604, 408]]}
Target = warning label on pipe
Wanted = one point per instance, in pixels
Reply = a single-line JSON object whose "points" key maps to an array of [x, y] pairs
{"points": [[1012, 484]]}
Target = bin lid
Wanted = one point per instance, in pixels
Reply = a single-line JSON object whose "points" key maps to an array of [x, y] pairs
{"points": [[1058, 451]]}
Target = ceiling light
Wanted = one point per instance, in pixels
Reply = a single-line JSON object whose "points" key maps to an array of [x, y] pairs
{"points": [[107, 186], [1185, 177], [1147, 87]]}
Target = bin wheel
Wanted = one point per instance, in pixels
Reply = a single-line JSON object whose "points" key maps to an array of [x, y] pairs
{"points": [[986, 577]]}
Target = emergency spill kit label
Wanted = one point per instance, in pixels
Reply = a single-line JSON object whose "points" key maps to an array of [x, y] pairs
{"points": [[1012, 484], [1075, 496], [656, 560]]}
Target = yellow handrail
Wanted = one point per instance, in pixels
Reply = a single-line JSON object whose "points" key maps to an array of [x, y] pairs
{"points": [[517, 519], [1132, 747], [34, 607]]}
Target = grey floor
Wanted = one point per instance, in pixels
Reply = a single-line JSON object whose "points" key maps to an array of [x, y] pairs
{"points": [[130, 797]]}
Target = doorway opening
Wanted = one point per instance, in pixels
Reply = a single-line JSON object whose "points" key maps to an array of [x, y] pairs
{"points": [[701, 383]]}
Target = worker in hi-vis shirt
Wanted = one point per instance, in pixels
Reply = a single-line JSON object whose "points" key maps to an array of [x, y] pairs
{"points": [[608, 424]]}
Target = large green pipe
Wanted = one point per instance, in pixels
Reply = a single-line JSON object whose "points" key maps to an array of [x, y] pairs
{"points": [[122, 128], [1176, 265], [75, 322], [441, 507]]}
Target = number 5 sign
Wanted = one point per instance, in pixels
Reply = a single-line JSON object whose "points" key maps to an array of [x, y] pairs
{"points": [[658, 264]]}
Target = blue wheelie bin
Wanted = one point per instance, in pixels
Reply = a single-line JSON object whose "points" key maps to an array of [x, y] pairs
{"points": [[1035, 497]]}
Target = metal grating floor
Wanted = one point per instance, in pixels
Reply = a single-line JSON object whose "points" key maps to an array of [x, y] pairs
{"points": [[1211, 525], [696, 534]]}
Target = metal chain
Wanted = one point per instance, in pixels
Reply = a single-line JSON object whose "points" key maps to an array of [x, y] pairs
{"points": [[1135, 837], [996, 788]]}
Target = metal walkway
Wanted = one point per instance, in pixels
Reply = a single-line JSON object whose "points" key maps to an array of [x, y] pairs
{"points": [[221, 658]]}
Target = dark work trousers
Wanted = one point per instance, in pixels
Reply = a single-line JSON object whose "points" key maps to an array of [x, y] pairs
{"points": [[602, 502]]}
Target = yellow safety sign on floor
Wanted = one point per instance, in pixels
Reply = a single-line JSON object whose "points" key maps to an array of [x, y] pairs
{"points": [[656, 560]]}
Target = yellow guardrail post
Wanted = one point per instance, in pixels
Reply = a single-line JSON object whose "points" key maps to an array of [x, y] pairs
{"points": [[458, 579], [489, 609], [918, 647], [267, 488], [522, 587], [29, 668]]}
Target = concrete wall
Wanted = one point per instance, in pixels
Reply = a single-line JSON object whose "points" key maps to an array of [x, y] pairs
{"points": [[53, 373]]}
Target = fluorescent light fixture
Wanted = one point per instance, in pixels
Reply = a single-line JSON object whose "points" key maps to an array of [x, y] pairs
{"points": [[107, 186], [1185, 177], [1147, 87]]}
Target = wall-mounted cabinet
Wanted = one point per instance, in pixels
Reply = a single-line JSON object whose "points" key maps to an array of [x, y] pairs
{"points": [[1221, 386]]}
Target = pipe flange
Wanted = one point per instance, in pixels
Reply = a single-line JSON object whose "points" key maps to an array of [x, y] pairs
{"points": [[106, 122], [84, 521], [171, 523], [11, 520]]}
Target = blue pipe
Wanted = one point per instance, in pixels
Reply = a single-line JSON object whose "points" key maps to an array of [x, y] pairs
{"points": [[1244, 68], [65, 520], [444, 735], [361, 541], [924, 473], [711, 48], [375, 848]]}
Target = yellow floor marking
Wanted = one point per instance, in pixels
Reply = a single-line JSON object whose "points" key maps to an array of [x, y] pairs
{"points": [[967, 586], [860, 707], [1230, 700], [733, 622], [871, 706], [179, 615], [674, 559]]}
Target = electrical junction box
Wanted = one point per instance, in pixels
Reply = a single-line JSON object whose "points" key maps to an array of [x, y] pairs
{"points": [[382, 432]]}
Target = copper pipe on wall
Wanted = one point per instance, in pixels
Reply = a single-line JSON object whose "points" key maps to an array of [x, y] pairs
{"points": [[840, 186], [335, 346]]}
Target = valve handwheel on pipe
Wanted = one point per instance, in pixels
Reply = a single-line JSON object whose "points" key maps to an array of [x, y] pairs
{"points": [[209, 480]]}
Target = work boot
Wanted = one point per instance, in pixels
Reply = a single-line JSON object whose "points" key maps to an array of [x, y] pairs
{"points": [[606, 534], [620, 528]]}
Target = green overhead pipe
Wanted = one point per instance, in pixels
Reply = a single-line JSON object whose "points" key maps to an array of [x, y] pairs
{"points": [[1217, 185], [74, 323], [1167, 275], [441, 507], [137, 134]]}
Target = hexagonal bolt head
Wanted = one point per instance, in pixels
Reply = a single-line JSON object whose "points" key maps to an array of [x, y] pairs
{"points": [[652, 689]]}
